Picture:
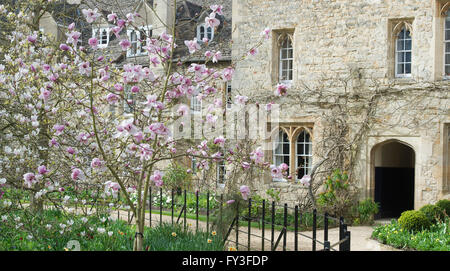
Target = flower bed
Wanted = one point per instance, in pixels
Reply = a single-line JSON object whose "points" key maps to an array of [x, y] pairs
{"points": [[436, 238]]}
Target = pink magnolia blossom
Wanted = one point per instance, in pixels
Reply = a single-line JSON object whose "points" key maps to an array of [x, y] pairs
{"points": [[245, 191], [84, 68], [64, 47], [217, 56], [42, 170], [135, 89], [266, 33], [192, 45], [90, 15], [125, 44], [231, 201], [93, 42], [70, 150], [238, 99], [112, 98], [227, 74], [245, 165], [157, 178], [73, 37], [96, 163], [283, 167], [118, 87], [112, 17], [219, 141], [281, 90], [29, 179], [77, 174], [59, 128], [253, 51], [257, 156], [305, 180], [32, 38], [211, 20], [217, 9], [183, 110]]}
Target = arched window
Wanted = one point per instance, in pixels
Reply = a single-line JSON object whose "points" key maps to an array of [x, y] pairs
{"points": [[303, 154], [196, 103], [447, 44], [281, 149], [403, 53], [286, 59]]}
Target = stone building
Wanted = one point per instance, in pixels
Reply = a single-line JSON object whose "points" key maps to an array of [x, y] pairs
{"points": [[377, 68], [368, 79]]}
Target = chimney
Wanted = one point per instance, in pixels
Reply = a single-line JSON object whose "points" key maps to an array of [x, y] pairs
{"points": [[165, 10]]}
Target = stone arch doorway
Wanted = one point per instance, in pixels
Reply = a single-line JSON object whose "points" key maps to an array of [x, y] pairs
{"points": [[393, 164]]}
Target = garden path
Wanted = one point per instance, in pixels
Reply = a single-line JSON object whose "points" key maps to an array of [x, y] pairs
{"points": [[360, 236]]}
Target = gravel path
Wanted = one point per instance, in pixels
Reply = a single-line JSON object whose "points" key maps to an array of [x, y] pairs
{"points": [[360, 236]]}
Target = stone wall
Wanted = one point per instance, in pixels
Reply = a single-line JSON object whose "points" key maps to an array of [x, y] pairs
{"points": [[343, 58]]}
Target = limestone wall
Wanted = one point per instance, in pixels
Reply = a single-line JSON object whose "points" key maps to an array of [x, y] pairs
{"points": [[344, 50]]}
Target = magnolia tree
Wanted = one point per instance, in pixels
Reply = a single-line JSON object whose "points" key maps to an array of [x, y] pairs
{"points": [[58, 134]]}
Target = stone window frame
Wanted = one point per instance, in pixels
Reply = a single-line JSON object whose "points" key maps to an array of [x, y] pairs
{"points": [[446, 158], [221, 172], [97, 32], [278, 36], [139, 43], [395, 26], [292, 131], [195, 103], [228, 95], [287, 39], [441, 9]]}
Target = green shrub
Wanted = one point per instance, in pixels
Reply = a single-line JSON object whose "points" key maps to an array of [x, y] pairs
{"points": [[366, 209], [432, 212], [445, 205], [414, 221], [177, 178]]}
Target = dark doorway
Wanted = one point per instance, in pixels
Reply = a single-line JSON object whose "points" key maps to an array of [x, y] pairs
{"points": [[394, 179]]}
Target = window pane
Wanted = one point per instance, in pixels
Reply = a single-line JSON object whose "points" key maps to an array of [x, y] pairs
{"points": [[408, 57], [408, 44], [447, 69], [290, 75], [283, 54], [307, 148], [400, 57], [408, 34], [447, 23], [290, 53], [400, 69], [447, 35], [447, 47], [447, 59], [407, 68], [400, 45]]}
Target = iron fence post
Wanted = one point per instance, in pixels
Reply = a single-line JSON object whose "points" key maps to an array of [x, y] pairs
{"points": [[237, 225], [185, 209], [249, 221], [173, 203], [160, 206], [325, 229], [263, 223], [207, 212], [296, 228], [314, 229], [196, 211], [273, 226], [341, 233], [285, 226]]}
